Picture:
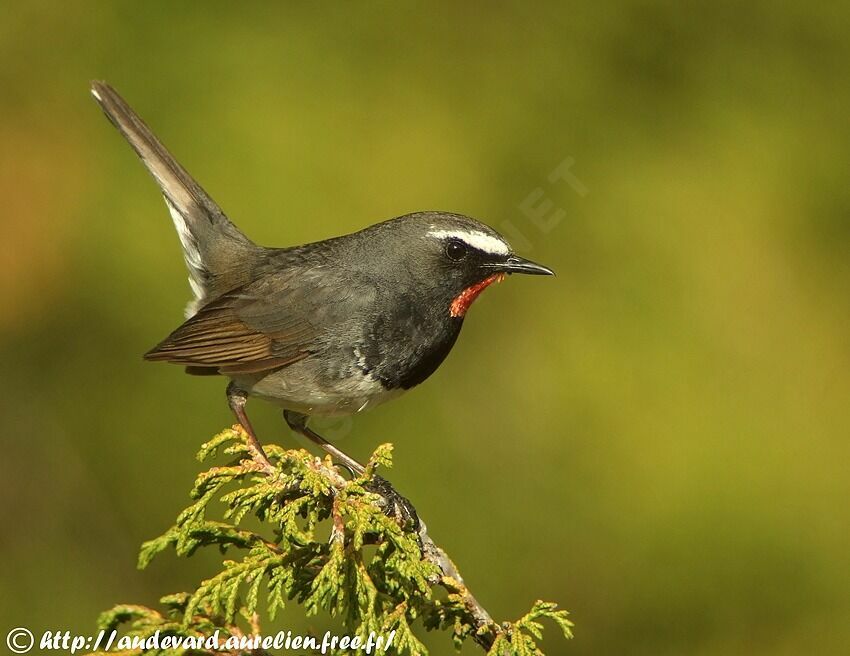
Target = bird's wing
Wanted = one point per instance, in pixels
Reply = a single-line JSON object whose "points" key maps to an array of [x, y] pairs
{"points": [[269, 323]]}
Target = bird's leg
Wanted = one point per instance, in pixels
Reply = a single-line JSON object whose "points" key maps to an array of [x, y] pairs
{"points": [[298, 423], [395, 505], [236, 399]]}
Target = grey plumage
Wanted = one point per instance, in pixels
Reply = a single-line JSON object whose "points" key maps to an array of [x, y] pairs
{"points": [[330, 327]]}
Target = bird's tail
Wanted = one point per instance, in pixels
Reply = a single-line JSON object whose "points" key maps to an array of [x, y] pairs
{"points": [[219, 257]]}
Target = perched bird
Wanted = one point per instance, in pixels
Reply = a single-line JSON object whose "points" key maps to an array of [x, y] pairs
{"points": [[327, 328]]}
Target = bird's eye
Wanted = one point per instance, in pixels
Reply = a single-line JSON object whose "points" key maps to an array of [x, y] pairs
{"points": [[455, 250]]}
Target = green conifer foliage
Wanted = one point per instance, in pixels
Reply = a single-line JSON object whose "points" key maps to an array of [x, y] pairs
{"points": [[401, 579]]}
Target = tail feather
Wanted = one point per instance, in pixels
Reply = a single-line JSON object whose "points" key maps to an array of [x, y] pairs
{"points": [[217, 254]]}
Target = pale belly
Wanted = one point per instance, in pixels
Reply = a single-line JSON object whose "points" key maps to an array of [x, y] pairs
{"points": [[301, 388]]}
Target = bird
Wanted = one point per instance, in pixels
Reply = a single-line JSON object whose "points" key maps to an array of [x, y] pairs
{"points": [[327, 328]]}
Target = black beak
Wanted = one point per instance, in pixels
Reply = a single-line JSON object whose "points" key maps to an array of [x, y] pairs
{"points": [[515, 264]]}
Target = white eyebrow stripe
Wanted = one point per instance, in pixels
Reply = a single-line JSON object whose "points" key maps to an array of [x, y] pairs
{"points": [[476, 239]]}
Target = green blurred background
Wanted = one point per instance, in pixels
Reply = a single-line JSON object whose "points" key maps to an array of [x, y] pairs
{"points": [[657, 438]]}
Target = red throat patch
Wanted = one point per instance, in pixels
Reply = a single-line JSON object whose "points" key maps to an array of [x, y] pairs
{"points": [[461, 304]]}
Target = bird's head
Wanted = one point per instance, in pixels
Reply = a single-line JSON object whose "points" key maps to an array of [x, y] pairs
{"points": [[455, 256]]}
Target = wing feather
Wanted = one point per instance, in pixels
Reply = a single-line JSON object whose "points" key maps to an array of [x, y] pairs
{"points": [[216, 337], [269, 323]]}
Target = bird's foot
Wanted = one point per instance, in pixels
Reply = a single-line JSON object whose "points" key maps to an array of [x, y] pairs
{"points": [[392, 503], [255, 450], [258, 455]]}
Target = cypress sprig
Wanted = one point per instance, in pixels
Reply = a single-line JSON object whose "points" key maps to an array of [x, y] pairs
{"points": [[388, 590]]}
